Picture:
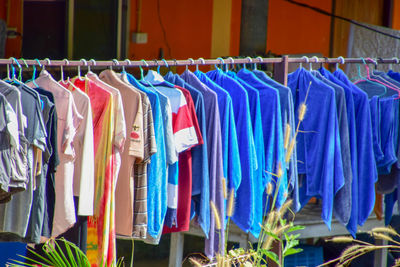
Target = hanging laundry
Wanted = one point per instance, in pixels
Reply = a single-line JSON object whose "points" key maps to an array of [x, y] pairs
{"points": [[214, 154], [243, 214], [200, 204], [318, 142]]}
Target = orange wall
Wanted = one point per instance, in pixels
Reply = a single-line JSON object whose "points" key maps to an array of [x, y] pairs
{"points": [[396, 15], [187, 25], [235, 27], [295, 30], [13, 19]]}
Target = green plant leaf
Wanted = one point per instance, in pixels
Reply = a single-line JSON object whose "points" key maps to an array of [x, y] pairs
{"points": [[62, 258], [44, 260], [292, 251], [273, 236], [291, 243], [20, 263], [271, 255], [295, 228]]}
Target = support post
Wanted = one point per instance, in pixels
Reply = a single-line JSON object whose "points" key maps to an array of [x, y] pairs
{"points": [[380, 255], [244, 241], [281, 70], [176, 250]]}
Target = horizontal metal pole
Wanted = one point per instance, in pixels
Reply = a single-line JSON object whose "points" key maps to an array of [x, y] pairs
{"points": [[189, 62]]}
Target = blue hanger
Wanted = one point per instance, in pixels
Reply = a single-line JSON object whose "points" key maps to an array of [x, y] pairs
{"points": [[159, 66], [34, 73], [222, 63]]}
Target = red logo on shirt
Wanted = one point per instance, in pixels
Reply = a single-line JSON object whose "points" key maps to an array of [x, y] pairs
{"points": [[134, 135]]}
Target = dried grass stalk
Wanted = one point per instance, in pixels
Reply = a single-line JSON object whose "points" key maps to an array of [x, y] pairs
{"points": [[216, 215], [229, 211], [287, 136], [387, 230]]}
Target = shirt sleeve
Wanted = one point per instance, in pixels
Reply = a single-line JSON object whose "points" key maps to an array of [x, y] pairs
{"points": [[234, 170], [39, 137], [136, 132], [152, 146], [69, 130], [171, 152], [12, 125], [120, 125], [86, 191]]}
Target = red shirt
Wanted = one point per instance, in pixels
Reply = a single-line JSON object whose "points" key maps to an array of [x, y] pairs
{"points": [[185, 174]]}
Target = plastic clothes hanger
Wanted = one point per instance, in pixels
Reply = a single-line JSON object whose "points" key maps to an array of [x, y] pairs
{"points": [[375, 80], [232, 62], [191, 60], [222, 63], [62, 70], [93, 64], [159, 66], [142, 75], [306, 59], [371, 80], [396, 59], [128, 62], [142, 80], [316, 61], [79, 69], [158, 80], [342, 61], [67, 81], [255, 64], [202, 61], [385, 81], [14, 79], [26, 65], [115, 61], [169, 67], [141, 70], [34, 73], [43, 71], [250, 61]]}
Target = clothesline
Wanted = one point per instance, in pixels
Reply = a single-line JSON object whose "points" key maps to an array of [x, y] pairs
{"points": [[190, 62]]}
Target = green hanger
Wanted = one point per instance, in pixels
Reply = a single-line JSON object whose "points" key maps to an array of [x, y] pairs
{"points": [[20, 73], [141, 69], [142, 76]]}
